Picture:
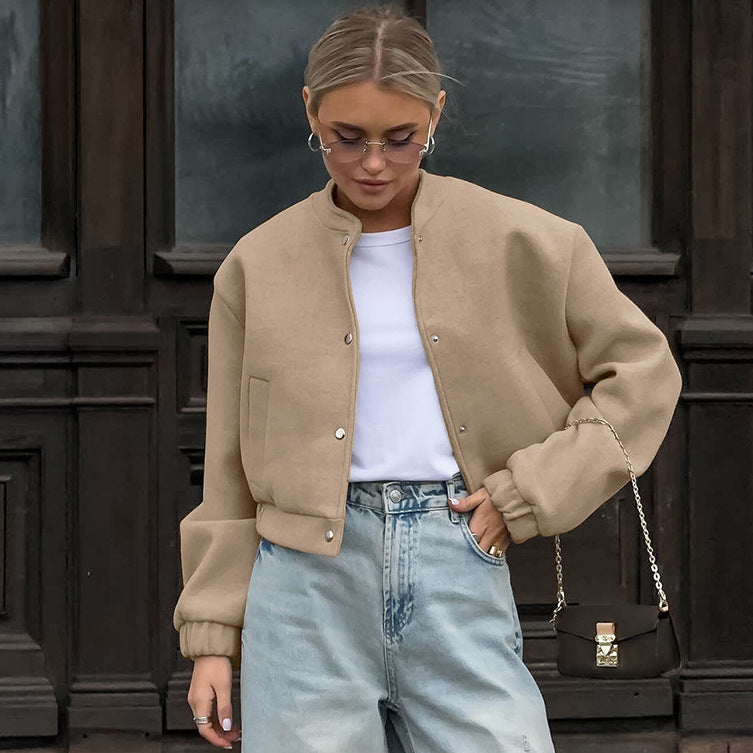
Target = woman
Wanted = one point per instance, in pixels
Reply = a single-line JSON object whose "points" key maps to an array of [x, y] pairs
{"points": [[392, 362]]}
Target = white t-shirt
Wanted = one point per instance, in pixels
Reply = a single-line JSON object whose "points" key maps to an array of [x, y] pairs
{"points": [[400, 433]]}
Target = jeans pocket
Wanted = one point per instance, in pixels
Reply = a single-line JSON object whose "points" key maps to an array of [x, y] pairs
{"points": [[265, 547], [462, 520]]}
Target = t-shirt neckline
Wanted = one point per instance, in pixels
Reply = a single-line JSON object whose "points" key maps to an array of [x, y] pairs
{"points": [[385, 237]]}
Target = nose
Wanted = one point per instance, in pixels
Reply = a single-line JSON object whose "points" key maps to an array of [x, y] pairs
{"points": [[373, 160]]}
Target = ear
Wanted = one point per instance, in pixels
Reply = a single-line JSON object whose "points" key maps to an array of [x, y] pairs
{"points": [[437, 114], [312, 118]]}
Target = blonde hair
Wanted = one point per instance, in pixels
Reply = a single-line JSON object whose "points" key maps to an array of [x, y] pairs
{"points": [[379, 44]]}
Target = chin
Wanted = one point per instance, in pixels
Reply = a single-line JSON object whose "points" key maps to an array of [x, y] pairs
{"points": [[364, 201], [370, 203]]}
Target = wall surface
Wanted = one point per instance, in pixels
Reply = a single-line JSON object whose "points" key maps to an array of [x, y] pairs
{"points": [[103, 323]]}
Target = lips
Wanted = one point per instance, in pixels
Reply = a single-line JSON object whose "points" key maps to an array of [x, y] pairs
{"points": [[372, 187]]}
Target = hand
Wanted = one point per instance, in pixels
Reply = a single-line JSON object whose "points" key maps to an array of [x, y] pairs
{"points": [[212, 679], [487, 523]]}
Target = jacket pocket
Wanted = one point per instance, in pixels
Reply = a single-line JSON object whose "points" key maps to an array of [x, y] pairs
{"points": [[258, 406]]}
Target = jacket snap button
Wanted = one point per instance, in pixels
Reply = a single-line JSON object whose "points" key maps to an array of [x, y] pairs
{"points": [[346, 238], [461, 428], [348, 339], [329, 535], [340, 433], [435, 338], [420, 238], [395, 495]]}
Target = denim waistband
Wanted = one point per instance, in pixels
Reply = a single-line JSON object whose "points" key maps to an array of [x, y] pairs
{"points": [[404, 496]]}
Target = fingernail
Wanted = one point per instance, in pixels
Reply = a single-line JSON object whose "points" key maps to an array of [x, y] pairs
{"points": [[226, 724], [454, 502], [228, 747]]}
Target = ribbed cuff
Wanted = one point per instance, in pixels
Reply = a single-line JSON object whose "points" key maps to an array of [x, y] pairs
{"points": [[518, 514], [211, 639]]}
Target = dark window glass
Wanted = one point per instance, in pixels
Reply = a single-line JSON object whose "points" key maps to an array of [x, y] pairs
{"points": [[554, 107], [240, 152], [20, 166]]}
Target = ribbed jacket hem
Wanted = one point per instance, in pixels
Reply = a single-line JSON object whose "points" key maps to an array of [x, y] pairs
{"points": [[211, 639], [518, 514]]}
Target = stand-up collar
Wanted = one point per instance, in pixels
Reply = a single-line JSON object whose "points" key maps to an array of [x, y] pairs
{"points": [[429, 196]]}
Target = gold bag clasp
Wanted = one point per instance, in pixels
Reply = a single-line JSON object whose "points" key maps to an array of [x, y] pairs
{"points": [[607, 651]]}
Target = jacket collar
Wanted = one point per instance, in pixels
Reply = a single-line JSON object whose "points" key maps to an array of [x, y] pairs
{"points": [[429, 197]]}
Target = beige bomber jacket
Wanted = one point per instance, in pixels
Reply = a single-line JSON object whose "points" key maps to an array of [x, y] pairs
{"points": [[523, 327]]}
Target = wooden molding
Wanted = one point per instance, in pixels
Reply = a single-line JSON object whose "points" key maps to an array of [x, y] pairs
{"points": [[721, 128], [190, 260], [28, 708], [58, 102], [641, 262], [204, 260], [33, 261], [576, 698], [109, 708], [709, 331]]}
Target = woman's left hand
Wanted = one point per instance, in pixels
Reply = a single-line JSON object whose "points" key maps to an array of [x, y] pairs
{"points": [[487, 523]]}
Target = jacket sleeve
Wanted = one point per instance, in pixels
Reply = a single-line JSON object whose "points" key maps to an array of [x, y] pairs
{"points": [[218, 538], [553, 486]]}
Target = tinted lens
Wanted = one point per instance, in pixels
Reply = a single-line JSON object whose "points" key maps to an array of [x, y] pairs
{"points": [[403, 151], [345, 151]]}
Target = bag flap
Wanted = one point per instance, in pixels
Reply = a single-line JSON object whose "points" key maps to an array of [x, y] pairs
{"points": [[630, 620]]}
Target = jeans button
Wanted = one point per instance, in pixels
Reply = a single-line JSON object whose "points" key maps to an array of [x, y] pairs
{"points": [[395, 495]]}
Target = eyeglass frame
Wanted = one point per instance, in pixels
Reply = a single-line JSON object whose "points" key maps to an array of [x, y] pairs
{"points": [[427, 149]]}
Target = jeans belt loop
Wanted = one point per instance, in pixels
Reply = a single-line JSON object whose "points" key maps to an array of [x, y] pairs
{"points": [[454, 514]]}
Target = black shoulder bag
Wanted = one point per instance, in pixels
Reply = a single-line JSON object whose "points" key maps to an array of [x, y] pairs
{"points": [[617, 641]]}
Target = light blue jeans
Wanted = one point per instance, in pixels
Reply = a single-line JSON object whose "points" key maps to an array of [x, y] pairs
{"points": [[412, 621]]}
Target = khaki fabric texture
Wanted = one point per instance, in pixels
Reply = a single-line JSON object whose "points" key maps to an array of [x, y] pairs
{"points": [[517, 312]]}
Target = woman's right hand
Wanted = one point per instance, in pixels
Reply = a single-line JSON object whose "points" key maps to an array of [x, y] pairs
{"points": [[212, 679]]}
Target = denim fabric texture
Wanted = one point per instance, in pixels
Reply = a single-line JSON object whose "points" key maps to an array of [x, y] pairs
{"points": [[412, 621]]}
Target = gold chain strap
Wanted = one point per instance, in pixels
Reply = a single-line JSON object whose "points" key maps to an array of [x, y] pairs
{"points": [[663, 604]]}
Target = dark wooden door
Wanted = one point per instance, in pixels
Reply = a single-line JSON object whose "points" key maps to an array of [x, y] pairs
{"points": [[166, 130]]}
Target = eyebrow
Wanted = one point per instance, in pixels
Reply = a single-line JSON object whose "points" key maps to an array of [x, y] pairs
{"points": [[351, 127]]}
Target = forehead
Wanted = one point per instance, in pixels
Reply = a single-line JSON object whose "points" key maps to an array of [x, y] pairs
{"points": [[371, 107]]}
